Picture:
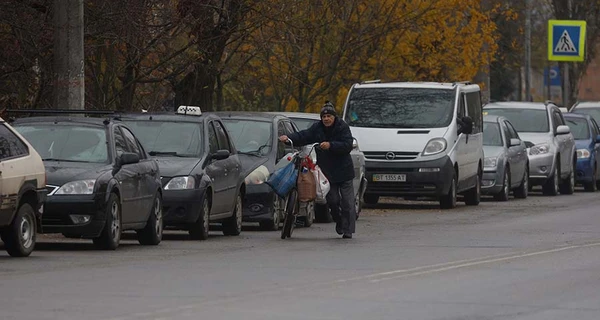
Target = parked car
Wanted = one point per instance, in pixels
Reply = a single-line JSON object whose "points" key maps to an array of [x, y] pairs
{"points": [[550, 144], [506, 165], [587, 141], [304, 121], [100, 180], [587, 107], [420, 140], [200, 167], [22, 192], [255, 134]]}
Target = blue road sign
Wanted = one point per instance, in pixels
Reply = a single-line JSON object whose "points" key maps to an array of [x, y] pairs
{"points": [[554, 76]]}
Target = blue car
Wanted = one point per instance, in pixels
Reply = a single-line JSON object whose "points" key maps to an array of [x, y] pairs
{"points": [[587, 141]]}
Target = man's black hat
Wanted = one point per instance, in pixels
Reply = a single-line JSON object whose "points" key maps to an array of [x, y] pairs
{"points": [[328, 108]]}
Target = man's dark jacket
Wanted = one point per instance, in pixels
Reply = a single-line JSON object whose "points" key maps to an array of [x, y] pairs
{"points": [[336, 163]]}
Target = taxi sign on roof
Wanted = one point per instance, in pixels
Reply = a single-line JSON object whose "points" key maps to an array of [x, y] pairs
{"points": [[566, 40], [191, 110]]}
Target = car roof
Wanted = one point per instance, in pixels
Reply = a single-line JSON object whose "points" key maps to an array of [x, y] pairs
{"points": [[248, 115], [78, 120], [165, 116], [516, 105], [587, 104], [303, 115], [576, 115], [417, 84]]}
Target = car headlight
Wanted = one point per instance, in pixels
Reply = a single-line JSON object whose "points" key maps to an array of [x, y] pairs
{"points": [[539, 149], [180, 183], [258, 176], [435, 146], [77, 187], [490, 162], [583, 153]]}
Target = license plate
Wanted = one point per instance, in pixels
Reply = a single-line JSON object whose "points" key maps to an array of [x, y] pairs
{"points": [[389, 177]]}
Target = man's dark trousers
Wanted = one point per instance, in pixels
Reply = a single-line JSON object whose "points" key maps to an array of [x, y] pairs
{"points": [[346, 217]]}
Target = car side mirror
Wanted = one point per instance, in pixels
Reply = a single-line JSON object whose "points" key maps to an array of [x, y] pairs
{"points": [[466, 125], [562, 129], [515, 142], [221, 155], [127, 158]]}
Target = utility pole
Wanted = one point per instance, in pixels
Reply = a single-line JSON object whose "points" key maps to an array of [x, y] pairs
{"points": [[483, 74], [69, 85], [528, 8]]}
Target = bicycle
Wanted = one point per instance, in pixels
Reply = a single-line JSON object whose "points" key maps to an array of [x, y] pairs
{"points": [[292, 205]]}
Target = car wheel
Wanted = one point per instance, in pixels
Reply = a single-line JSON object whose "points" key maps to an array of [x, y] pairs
{"points": [[448, 201], [111, 234], [473, 196], [522, 191], [273, 223], [322, 214], [152, 233], [19, 237], [593, 185], [504, 194], [233, 225], [550, 187], [199, 229], [568, 185], [310, 214], [357, 206]]}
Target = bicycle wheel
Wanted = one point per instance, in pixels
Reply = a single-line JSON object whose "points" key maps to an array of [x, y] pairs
{"points": [[291, 209]]}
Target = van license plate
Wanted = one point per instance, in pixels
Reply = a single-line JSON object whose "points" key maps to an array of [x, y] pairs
{"points": [[389, 177]]}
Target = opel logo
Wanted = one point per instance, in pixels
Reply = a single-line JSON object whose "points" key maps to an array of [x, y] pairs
{"points": [[390, 156]]}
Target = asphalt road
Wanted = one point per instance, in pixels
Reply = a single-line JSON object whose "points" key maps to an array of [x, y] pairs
{"points": [[537, 258]]}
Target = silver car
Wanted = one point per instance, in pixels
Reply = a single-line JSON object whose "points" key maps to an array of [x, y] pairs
{"points": [[506, 165], [550, 144], [305, 120]]}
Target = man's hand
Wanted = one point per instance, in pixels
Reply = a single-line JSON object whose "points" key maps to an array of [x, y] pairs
{"points": [[325, 145], [283, 138]]}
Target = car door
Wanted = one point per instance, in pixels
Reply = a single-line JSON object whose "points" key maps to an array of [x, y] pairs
{"points": [[282, 148], [12, 171], [595, 133], [129, 181], [145, 173], [512, 154], [462, 149], [565, 142], [521, 161], [216, 171], [231, 165]]}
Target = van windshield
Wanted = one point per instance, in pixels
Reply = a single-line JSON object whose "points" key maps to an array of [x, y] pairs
{"points": [[400, 108]]}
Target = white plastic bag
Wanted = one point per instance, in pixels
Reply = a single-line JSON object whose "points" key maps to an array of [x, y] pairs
{"points": [[322, 185]]}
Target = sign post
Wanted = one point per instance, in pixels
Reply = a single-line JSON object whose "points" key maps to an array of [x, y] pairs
{"points": [[566, 43]]}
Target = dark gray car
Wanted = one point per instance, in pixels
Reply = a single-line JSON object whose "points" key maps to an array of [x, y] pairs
{"points": [[505, 166]]}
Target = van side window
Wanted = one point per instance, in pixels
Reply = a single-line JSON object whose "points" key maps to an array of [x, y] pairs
{"points": [[474, 109], [461, 107]]}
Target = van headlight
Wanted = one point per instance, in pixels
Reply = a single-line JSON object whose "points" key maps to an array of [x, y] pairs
{"points": [[77, 187], [258, 175], [435, 146], [583, 153], [181, 183], [539, 149], [490, 162]]}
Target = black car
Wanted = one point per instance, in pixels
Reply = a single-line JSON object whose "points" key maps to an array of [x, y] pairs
{"points": [[255, 135], [100, 180], [199, 166]]}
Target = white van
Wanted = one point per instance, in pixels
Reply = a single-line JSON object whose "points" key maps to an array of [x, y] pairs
{"points": [[420, 139]]}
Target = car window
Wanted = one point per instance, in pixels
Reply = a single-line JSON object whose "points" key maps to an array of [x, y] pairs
{"points": [[213, 143], [474, 109], [593, 112], [132, 143], [304, 123], [280, 145], [289, 128], [595, 128], [120, 142], [513, 133], [462, 110], [523, 119], [250, 135], [10, 145], [579, 128], [160, 137], [491, 134], [557, 119], [224, 143]]}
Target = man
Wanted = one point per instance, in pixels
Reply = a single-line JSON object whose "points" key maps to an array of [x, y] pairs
{"points": [[333, 157]]}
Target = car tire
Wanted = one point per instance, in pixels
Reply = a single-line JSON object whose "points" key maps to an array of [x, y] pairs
{"points": [[371, 199], [504, 194], [111, 233], [152, 233], [310, 214], [448, 201], [568, 185], [473, 196], [593, 185], [273, 223], [551, 186], [523, 190], [233, 225], [322, 214], [19, 237], [199, 229]]}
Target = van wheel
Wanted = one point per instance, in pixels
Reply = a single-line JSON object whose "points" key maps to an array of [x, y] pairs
{"points": [[568, 185], [505, 192], [448, 201], [473, 196], [550, 187], [19, 236], [522, 191]]}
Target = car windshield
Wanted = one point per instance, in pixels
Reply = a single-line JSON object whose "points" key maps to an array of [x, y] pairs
{"points": [[523, 120], [303, 123], [491, 134], [250, 136], [181, 139], [400, 108], [67, 142], [579, 128], [593, 112]]}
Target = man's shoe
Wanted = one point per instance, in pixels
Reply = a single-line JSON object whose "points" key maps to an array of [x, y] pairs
{"points": [[338, 228], [347, 236]]}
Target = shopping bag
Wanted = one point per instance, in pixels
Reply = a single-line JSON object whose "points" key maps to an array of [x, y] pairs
{"points": [[322, 185], [283, 179], [307, 186]]}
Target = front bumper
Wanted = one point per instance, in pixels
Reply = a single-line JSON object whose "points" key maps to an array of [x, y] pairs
{"points": [[258, 203], [58, 210], [584, 171], [182, 207], [541, 168], [429, 184], [492, 182]]}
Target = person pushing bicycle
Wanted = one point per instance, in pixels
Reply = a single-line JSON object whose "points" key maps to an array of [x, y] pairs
{"points": [[333, 156]]}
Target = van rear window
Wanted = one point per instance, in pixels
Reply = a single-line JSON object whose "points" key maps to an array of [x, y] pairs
{"points": [[400, 108]]}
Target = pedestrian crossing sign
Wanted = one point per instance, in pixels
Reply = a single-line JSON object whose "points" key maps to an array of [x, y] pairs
{"points": [[566, 40]]}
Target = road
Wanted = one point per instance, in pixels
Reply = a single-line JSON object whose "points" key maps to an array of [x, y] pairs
{"points": [[537, 258]]}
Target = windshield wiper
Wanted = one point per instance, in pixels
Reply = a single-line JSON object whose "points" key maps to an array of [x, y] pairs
{"points": [[250, 153], [64, 160], [165, 153]]}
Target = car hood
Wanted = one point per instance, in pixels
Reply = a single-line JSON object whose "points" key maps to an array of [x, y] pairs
{"points": [[59, 173], [492, 151], [174, 166], [385, 139], [536, 137], [250, 162], [583, 144]]}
